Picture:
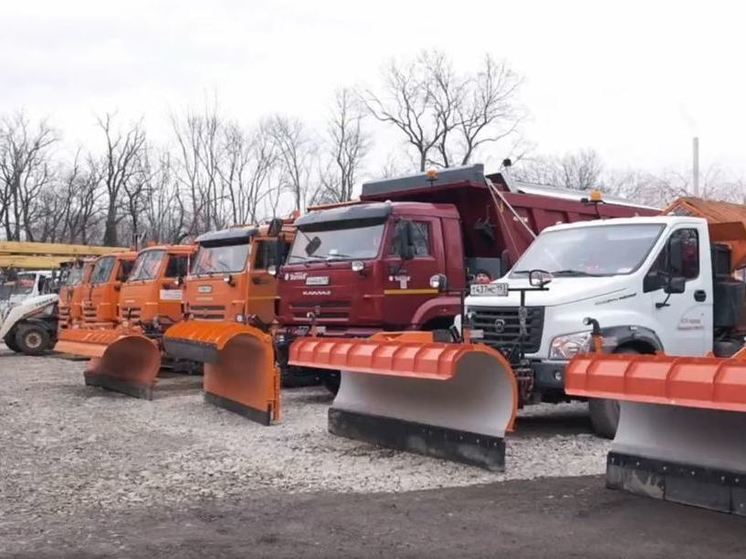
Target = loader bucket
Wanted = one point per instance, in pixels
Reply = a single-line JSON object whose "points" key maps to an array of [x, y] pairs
{"points": [[240, 372], [451, 401], [681, 431]]}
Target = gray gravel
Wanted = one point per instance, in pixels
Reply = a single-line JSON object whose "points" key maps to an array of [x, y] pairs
{"points": [[66, 448]]}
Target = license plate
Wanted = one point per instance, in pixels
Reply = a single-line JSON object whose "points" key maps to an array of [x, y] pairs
{"points": [[490, 289], [205, 289], [317, 280]]}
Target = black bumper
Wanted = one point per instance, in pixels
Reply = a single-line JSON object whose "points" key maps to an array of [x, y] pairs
{"points": [[549, 375]]}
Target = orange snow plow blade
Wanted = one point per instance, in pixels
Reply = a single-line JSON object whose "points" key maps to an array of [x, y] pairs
{"points": [[408, 392], [681, 430], [240, 372], [122, 361]]}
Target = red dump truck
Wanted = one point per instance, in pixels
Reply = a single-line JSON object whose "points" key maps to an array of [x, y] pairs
{"points": [[375, 265]]}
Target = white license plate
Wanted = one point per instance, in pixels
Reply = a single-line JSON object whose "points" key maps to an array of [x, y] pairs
{"points": [[490, 289], [205, 289], [317, 280]]}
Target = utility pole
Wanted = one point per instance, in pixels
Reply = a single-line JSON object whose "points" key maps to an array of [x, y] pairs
{"points": [[695, 165]]}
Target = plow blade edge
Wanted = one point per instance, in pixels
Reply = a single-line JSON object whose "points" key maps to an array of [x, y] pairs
{"points": [[681, 430], [240, 372], [451, 401]]}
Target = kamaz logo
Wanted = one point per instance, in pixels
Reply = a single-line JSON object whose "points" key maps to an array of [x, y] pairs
{"points": [[499, 325]]}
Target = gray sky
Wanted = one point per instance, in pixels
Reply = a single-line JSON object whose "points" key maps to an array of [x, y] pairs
{"points": [[634, 80]]}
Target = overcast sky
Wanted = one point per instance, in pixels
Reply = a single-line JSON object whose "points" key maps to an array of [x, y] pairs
{"points": [[633, 80]]}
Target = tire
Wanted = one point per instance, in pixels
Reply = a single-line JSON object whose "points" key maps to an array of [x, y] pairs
{"points": [[10, 341], [32, 339], [331, 380], [605, 413]]}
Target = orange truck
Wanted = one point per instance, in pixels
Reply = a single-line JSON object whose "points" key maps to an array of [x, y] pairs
{"points": [[74, 280], [231, 303], [127, 357]]}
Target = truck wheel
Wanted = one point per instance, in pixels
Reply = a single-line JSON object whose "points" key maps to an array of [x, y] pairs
{"points": [[32, 339], [605, 413], [330, 380], [10, 341]]}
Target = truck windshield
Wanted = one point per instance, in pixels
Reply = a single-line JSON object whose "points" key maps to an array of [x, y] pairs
{"points": [[147, 265], [220, 259], [72, 276], [343, 243], [605, 250], [102, 270]]}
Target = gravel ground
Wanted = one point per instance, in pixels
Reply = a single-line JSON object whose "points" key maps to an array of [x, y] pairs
{"points": [[68, 448]]}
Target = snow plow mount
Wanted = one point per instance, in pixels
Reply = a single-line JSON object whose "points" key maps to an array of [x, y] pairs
{"points": [[405, 391]]}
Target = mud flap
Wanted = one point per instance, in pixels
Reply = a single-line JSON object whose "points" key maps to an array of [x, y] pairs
{"points": [[240, 372], [449, 401], [680, 435]]}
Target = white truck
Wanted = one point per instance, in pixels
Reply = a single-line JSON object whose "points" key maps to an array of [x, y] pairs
{"points": [[649, 282], [28, 311]]}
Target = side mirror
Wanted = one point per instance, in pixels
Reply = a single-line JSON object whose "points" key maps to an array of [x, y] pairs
{"points": [[675, 285], [312, 246], [675, 262], [539, 278], [275, 227], [405, 239]]}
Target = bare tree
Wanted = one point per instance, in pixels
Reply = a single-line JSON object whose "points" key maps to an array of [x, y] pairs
{"points": [[249, 160], [345, 148], [165, 212], [581, 170], [25, 171], [121, 170], [200, 147], [444, 115], [296, 152]]}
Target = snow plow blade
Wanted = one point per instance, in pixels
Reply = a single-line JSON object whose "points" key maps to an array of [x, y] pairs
{"points": [[240, 372], [121, 361], [408, 392], [681, 431]]}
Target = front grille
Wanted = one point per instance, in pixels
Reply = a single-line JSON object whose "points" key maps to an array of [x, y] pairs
{"points": [[131, 313], [325, 310], [501, 327], [207, 312], [89, 312]]}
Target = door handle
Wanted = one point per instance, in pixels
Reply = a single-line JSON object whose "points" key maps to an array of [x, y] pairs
{"points": [[700, 295]]}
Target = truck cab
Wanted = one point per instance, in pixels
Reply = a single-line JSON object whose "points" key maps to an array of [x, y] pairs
{"points": [[152, 296], [75, 275], [100, 303], [232, 277], [651, 283]]}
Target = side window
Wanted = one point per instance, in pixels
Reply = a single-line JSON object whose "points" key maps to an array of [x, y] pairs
{"points": [[177, 266], [264, 258], [420, 237], [124, 270], [689, 266]]}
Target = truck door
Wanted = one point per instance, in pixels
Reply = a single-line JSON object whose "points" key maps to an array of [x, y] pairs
{"points": [[407, 281], [262, 286], [685, 317]]}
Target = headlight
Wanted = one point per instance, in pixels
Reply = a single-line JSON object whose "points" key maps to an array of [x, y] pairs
{"points": [[357, 266], [569, 345]]}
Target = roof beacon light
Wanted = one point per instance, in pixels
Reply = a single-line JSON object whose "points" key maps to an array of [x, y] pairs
{"points": [[596, 196]]}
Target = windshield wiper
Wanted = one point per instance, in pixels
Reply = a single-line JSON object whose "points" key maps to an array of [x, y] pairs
{"points": [[575, 273], [311, 257]]}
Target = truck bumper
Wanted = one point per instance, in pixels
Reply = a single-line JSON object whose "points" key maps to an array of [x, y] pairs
{"points": [[549, 375]]}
